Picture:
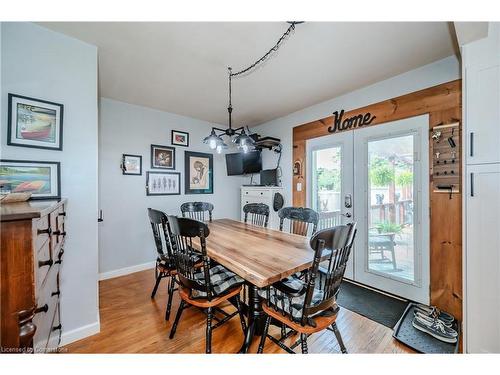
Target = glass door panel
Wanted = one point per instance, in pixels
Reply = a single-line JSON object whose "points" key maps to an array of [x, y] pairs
{"points": [[326, 185], [391, 187], [391, 239], [330, 183]]}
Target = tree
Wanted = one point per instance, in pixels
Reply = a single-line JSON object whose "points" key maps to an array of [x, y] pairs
{"points": [[404, 178], [381, 172], [328, 179]]}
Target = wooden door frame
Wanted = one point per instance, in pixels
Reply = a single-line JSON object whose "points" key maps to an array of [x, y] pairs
{"points": [[443, 104]]}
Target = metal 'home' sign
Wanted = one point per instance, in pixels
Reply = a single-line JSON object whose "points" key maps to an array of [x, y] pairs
{"points": [[339, 123]]}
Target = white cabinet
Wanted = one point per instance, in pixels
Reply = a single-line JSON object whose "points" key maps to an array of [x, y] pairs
{"points": [[262, 194], [482, 102], [482, 307]]}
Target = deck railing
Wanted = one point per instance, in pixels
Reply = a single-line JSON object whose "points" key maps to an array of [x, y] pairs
{"points": [[400, 212]]}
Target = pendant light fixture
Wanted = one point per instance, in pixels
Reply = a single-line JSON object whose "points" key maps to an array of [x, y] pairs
{"points": [[239, 136]]}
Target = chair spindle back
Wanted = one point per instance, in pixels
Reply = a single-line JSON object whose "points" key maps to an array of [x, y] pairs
{"points": [[197, 210], [161, 235], [257, 213], [338, 240], [300, 220], [190, 236]]}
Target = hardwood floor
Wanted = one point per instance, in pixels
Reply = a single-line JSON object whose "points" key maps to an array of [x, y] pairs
{"points": [[132, 322]]}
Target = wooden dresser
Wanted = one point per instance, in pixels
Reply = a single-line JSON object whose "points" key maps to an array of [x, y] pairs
{"points": [[32, 248]]}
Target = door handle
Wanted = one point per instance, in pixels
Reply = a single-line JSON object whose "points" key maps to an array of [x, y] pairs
{"points": [[471, 143], [348, 201], [472, 184], [347, 214]]}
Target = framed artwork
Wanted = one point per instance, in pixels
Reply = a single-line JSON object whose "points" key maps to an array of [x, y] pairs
{"points": [[41, 178], [180, 138], [34, 123], [163, 183], [132, 165], [162, 157], [199, 173]]}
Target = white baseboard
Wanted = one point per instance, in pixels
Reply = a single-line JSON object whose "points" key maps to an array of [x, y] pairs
{"points": [[126, 270], [80, 333]]}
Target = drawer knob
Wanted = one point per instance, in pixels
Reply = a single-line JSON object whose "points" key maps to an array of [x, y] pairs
{"points": [[43, 308], [26, 327], [58, 233], [43, 263], [62, 213], [58, 293], [57, 327], [43, 231]]}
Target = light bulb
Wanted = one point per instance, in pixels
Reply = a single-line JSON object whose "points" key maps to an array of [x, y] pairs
{"points": [[219, 149], [245, 148], [212, 144]]}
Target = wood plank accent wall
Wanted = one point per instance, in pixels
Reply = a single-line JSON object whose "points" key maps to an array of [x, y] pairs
{"points": [[443, 103]]}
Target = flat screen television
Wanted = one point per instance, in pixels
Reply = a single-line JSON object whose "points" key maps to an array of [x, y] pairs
{"points": [[243, 163]]}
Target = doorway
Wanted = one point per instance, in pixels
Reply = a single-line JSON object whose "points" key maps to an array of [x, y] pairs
{"points": [[377, 176]]}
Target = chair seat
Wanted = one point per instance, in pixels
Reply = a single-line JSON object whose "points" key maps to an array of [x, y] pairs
{"points": [[294, 309], [221, 279], [322, 322], [204, 303]]}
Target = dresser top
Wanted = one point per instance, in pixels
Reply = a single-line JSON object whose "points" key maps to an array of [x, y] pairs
{"points": [[28, 210], [260, 187]]}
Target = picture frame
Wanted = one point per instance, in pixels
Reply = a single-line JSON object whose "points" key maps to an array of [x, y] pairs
{"points": [[163, 183], [162, 157], [34, 123], [131, 165], [41, 178], [179, 138], [199, 173]]}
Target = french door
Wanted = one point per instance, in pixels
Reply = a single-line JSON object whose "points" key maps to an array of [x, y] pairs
{"points": [[377, 176]]}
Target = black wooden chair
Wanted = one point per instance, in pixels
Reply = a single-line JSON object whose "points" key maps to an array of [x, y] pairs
{"points": [[257, 213], [299, 220], [165, 266], [305, 308], [207, 286], [197, 210]]}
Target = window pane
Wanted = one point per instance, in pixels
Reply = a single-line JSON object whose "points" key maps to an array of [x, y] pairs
{"points": [[390, 208], [327, 186]]}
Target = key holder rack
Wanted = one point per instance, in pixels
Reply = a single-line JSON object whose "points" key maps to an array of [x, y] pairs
{"points": [[446, 154]]}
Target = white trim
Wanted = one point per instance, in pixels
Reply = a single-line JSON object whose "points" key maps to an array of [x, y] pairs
{"points": [[126, 271], [80, 333]]}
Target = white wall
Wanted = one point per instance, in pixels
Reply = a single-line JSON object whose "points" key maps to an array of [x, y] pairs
{"points": [[43, 64], [125, 237], [430, 75]]}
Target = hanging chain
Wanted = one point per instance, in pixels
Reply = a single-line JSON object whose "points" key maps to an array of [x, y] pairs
{"points": [[261, 60], [266, 56]]}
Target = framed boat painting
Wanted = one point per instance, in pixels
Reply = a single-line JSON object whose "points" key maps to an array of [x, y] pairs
{"points": [[40, 178], [34, 123], [199, 173], [163, 183]]}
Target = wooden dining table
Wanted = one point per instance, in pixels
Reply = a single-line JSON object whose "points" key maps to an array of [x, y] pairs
{"points": [[261, 256]]}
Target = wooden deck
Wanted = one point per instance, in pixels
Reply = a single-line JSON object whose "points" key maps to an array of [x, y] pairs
{"points": [[132, 322]]}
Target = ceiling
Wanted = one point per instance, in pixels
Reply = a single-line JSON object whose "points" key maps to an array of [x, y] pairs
{"points": [[181, 67]]}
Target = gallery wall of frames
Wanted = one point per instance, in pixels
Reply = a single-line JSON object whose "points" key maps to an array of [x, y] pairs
{"points": [[160, 161], [163, 179]]}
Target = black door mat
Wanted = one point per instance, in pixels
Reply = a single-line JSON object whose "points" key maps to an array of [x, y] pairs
{"points": [[376, 306], [421, 341]]}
